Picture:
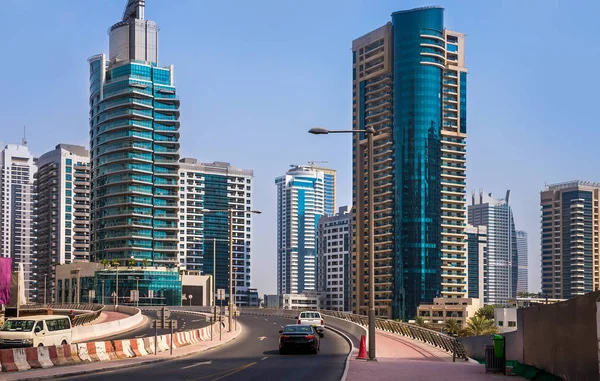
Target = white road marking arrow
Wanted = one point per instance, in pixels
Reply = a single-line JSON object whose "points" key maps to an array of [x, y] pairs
{"points": [[262, 338], [196, 364]]}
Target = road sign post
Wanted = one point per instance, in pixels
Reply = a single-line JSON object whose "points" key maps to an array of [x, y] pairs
{"points": [[155, 338], [221, 296], [190, 296], [171, 352]]}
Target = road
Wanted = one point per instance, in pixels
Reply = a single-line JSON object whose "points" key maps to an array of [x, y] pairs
{"points": [[254, 355], [185, 322]]}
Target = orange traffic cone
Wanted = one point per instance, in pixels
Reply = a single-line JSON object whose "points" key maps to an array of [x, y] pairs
{"points": [[362, 351]]}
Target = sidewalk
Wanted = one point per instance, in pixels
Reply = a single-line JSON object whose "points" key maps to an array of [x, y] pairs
{"points": [[64, 371], [402, 359], [108, 316]]}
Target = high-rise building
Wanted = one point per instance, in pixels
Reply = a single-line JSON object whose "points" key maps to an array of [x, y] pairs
{"points": [[335, 261], [62, 188], [300, 204], [570, 250], [17, 211], [477, 257], [134, 155], [522, 285], [216, 186], [409, 85], [501, 275]]}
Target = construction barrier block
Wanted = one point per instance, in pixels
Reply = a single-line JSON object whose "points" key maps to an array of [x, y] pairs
{"points": [[110, 350], [74, 350], [149, 345], [135, 348], [100, 350], [20, 356], [32, 357], [83, 353], [140, 346], [7, 359]]}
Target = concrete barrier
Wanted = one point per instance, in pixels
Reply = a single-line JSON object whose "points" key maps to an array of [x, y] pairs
{"points": [[97, 331], [7, 358], [82, 353]]}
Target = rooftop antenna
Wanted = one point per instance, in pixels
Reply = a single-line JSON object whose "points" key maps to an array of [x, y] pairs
{"points": [[24, 141], [313, 163]]}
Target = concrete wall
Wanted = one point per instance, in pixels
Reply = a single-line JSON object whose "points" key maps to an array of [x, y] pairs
{"points": [[475, 345], [97, 331], [562, 338]]}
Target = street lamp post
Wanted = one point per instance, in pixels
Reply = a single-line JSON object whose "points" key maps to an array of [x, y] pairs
{"points": [[45, 289], [137, 291], [231, 295], [369, 131], [102, 291], [215, 276]]}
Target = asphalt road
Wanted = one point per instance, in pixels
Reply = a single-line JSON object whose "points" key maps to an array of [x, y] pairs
{"points": [[254, 355], [185, 322]]}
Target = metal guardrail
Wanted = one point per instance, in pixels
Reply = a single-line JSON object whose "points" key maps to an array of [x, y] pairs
{"points": [[87, 317], [431, 337]]}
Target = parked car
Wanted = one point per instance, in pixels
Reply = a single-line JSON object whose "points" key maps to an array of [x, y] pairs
{"points": [[314, 319], [299, 336], [34, 331]]}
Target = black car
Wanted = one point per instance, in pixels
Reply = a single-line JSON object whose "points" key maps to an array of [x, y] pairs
{"points": [[299, 336]]}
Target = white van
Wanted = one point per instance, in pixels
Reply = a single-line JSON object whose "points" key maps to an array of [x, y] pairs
{"points": [[34, 331]]}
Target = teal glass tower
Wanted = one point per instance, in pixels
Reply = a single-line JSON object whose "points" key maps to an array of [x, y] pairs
{"points": [[409, 85], [134, 149]]}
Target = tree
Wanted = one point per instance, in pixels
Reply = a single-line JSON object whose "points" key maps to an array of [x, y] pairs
{"points": [[104, 263], [131, 262], [486, 312], [420, 321], [145, 262], [115, 263], [452, 327], [479, 325]]}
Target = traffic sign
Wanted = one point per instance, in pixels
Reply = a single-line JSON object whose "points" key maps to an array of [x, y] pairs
{"points": [[167, 325], [221, 294], [190, 296], [163, 313]]}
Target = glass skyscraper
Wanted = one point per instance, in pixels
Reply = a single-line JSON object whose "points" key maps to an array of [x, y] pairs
{"points": [[409, 84], [134, 149], [522, 284]]}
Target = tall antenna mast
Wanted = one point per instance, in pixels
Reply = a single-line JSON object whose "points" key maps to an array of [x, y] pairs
{"points": [[24, 141]]}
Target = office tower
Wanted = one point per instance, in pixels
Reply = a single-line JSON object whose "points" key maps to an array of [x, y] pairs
{"points": [[216, 186], [477, 257], [62, 189], [300, 204], [134, 155], [570, 251], [409, 85], [501, 277], [17, 211], [334, 260], [329, 182], [522, 259]]}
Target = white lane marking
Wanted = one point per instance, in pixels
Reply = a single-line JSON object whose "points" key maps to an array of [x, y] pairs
{"points": [[264, 358], [194, 321], [199, 363], [140, 336], [261, 338], [266, 319], [274, 323]]}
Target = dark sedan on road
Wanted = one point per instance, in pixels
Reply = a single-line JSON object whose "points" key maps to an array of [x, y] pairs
{"points": [[299, 336]]}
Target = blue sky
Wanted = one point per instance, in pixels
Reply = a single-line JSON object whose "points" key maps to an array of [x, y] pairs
{"points": [[253, 77]]}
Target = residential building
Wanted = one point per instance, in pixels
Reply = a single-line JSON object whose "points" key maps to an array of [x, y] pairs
{"points": [[335, 261], [459, 309], [17, 212], [529, 302], [505, 319], [62, 189], [500, 277], [409, 85], [134, 153], [477, 257], [309, 300], [272, 301], [570, 249], [300, 205], [523, 273], [204, 235]]}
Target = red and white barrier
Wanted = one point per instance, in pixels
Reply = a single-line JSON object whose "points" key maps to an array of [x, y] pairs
{"points": [[38, 357], [74, 350], [124, 349], [140, 346], [149, 345], [82, 352]]}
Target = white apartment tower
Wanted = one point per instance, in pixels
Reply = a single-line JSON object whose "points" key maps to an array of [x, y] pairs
{"points": [[522, 285], [62, 187], [218, 186], [17, 210]]}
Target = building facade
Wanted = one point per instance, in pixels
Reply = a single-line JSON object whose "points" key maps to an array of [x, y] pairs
{"points": [[459, 309], [300, 205], [62, 188], [204, 236], [523, 272], [309, 300], [134, 152], [477, 257], [501, 273], [17, 212], [335, 261], [570, 249], [409, 85]]}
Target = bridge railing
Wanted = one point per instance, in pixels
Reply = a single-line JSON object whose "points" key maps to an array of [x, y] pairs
{"points": [[437, 339], [90, 312]]}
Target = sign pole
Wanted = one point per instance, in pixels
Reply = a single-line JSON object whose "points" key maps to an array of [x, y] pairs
{"points": [[171, 321], [155, 337]]}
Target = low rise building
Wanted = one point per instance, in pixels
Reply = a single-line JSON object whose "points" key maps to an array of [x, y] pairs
{"points": [[272, 301], [302, 301], [505, 319], [459, 309]]}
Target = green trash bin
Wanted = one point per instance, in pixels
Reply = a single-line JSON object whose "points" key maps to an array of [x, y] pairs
{"points": [[498, 346]]}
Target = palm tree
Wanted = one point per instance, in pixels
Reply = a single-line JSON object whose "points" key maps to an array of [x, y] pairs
{"points": [[115, 263], [486, 312], [479, 325], [420, 321], [452, 327], [131, 262], [144, 263], [104, 263]]}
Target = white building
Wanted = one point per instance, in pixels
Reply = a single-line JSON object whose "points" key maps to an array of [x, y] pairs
{"points": [[17, 236], [216, 186], [505, 319], [62, 187], [522, 285], [335, 260], [301, 195], [500, 279], [302, 301]]}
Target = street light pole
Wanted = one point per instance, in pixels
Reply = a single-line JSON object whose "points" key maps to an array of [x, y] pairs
{"points": [[102, 291], [369, 131], [230, 269], [45, 275], [137, 291], [215, 276], [117, 289]]}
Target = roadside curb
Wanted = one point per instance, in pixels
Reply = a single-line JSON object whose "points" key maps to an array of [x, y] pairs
{"points": [[352, 349], [79, 372]]}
